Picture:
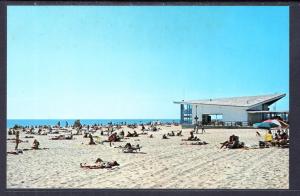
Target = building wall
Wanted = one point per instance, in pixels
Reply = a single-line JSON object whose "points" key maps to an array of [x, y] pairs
{"points": [[254, 118], [230, 113]]}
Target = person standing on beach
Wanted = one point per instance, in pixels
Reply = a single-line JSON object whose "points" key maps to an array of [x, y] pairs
{"points": [[17, 139], [112, 138], [202, 127], [196, 128], [91, 140]]}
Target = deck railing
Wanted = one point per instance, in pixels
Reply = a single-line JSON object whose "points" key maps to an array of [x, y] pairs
{"points": [[228, 123]]}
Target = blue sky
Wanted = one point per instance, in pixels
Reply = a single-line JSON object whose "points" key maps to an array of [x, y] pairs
{"points": [[133, 62]]}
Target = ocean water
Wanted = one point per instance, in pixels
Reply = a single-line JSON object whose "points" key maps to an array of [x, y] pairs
{"points": [[36, 122]]}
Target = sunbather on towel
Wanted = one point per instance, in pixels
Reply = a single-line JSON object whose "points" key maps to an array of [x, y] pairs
{"points": [[100, 164], [195, 143], [16, 152]]}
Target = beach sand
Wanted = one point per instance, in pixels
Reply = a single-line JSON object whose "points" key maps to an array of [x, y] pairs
{"points": [[163, 164]]}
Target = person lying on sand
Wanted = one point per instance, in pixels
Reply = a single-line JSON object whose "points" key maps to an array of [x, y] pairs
{"points": [[195, 143], [199, 143], [100, 164], [59, 137], [16, 152], [27, 149], [171, 134], [192, 138], [143, 133], [128, 148], [134, 134]]}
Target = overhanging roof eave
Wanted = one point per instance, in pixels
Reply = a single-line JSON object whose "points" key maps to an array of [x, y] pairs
{"points": [[190, 103], [267, 101]]}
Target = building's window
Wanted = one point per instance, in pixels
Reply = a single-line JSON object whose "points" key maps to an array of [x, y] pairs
{"points": [[212, 119], [186, 114], [216, 117]]}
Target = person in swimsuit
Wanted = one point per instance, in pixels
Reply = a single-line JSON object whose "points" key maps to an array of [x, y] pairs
{"points": [[35, 144], [17, 139]]}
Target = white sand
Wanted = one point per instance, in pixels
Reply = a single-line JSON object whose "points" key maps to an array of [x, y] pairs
{"points": [[166, 164]]}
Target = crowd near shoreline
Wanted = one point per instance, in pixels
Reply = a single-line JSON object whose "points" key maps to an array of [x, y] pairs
{"points": [[135, 147]]}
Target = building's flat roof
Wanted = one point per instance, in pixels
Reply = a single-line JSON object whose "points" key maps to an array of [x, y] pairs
{"points": [[267, 112], [246, 101]]}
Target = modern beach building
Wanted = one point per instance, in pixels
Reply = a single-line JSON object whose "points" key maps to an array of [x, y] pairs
{"points": [[225, 111]]}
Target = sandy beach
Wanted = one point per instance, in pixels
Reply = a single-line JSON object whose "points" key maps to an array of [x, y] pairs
{"points": [[160, 163]]}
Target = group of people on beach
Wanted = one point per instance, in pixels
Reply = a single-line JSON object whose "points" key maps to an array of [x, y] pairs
{"points": [[173, 133], [192, 137], [280, 138], [198, 126], [35, 144]]}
